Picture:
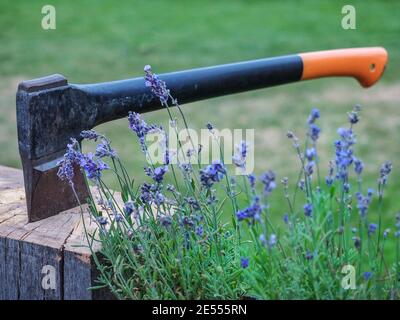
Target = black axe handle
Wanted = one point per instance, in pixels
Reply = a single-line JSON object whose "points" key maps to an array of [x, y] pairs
{"points": [[116, 98]]}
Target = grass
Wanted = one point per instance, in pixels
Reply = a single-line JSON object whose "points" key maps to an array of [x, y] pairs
{"points": [[99, 41]]}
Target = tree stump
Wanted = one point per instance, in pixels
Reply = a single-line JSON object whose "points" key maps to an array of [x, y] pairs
{"points": [[44, 260]]}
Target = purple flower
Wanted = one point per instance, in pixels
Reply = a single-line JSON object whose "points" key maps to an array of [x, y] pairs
{"points": [[386, 233], [66, 165], [385, 170], [66, 171], [314, 132], [212, 173], [187, 221], [363, 202], [302, 185], [243, 149], [314, 115], [310, 154], [308, 209], [157, 86], [92, 167], [309, 255], [90, 135], [166, 155], [199, 231], [367, 275], [370, 192], [140, 127], [102, 221], [244, 262], [353, 117], [358, 166], [193, 203], [329, 178], [346, 135], [239, 159], [272, 240], [118, 217], [309, 168], [357, 242], [252, 212], [263, 240], [241, 215], [158, 174], [159, 198], [344, 153], [286, 218], [171, 188], [186, 168], [146, 191], [129, 207], [148, 171], [252, 181], [268, 180], [104, 149], [372, 228]]}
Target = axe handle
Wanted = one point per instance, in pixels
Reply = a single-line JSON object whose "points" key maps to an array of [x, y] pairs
{"points": [[115, 99], [365, 64]]}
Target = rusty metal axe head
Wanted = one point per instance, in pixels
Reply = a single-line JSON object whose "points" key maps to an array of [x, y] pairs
{"points": [[47, 118]]}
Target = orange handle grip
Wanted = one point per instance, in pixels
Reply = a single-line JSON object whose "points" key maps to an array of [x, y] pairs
{"points": [[365, 64]]}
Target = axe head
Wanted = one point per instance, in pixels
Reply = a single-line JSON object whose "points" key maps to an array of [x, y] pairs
{"points": [[49, 113]]}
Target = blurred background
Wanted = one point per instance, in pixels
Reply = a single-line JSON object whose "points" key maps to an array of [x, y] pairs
{"points": [[108, 40]]}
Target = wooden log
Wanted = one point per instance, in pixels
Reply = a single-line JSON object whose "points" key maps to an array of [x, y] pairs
{"points": [[43, 260]]}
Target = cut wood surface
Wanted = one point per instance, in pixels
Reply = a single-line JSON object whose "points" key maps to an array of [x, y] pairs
{"points": [[29, 250]]}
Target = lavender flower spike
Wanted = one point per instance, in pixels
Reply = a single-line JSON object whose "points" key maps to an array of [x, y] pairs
{"points": [[212, 173], [157, 86], [385, 170], [308, 209], [314, 132], [158, 174], [66, 166], [268, 180], [140, 127], [314, 115], [103, 149], [92, 167], [244, 262], [90, 135], [239, 158]]}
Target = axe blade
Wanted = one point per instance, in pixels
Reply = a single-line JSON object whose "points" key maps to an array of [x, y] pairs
{"points": [[42, 142], [46, 193]]}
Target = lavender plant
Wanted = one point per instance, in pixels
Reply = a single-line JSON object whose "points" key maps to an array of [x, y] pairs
{"points": [[160, 240], [171, 241], [329, 247]]}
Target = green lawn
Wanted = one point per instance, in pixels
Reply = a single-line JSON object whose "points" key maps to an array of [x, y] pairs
{"points": [[106, 40]]}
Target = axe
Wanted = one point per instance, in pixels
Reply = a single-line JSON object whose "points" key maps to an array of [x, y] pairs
{"points": [[50, 110]]}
